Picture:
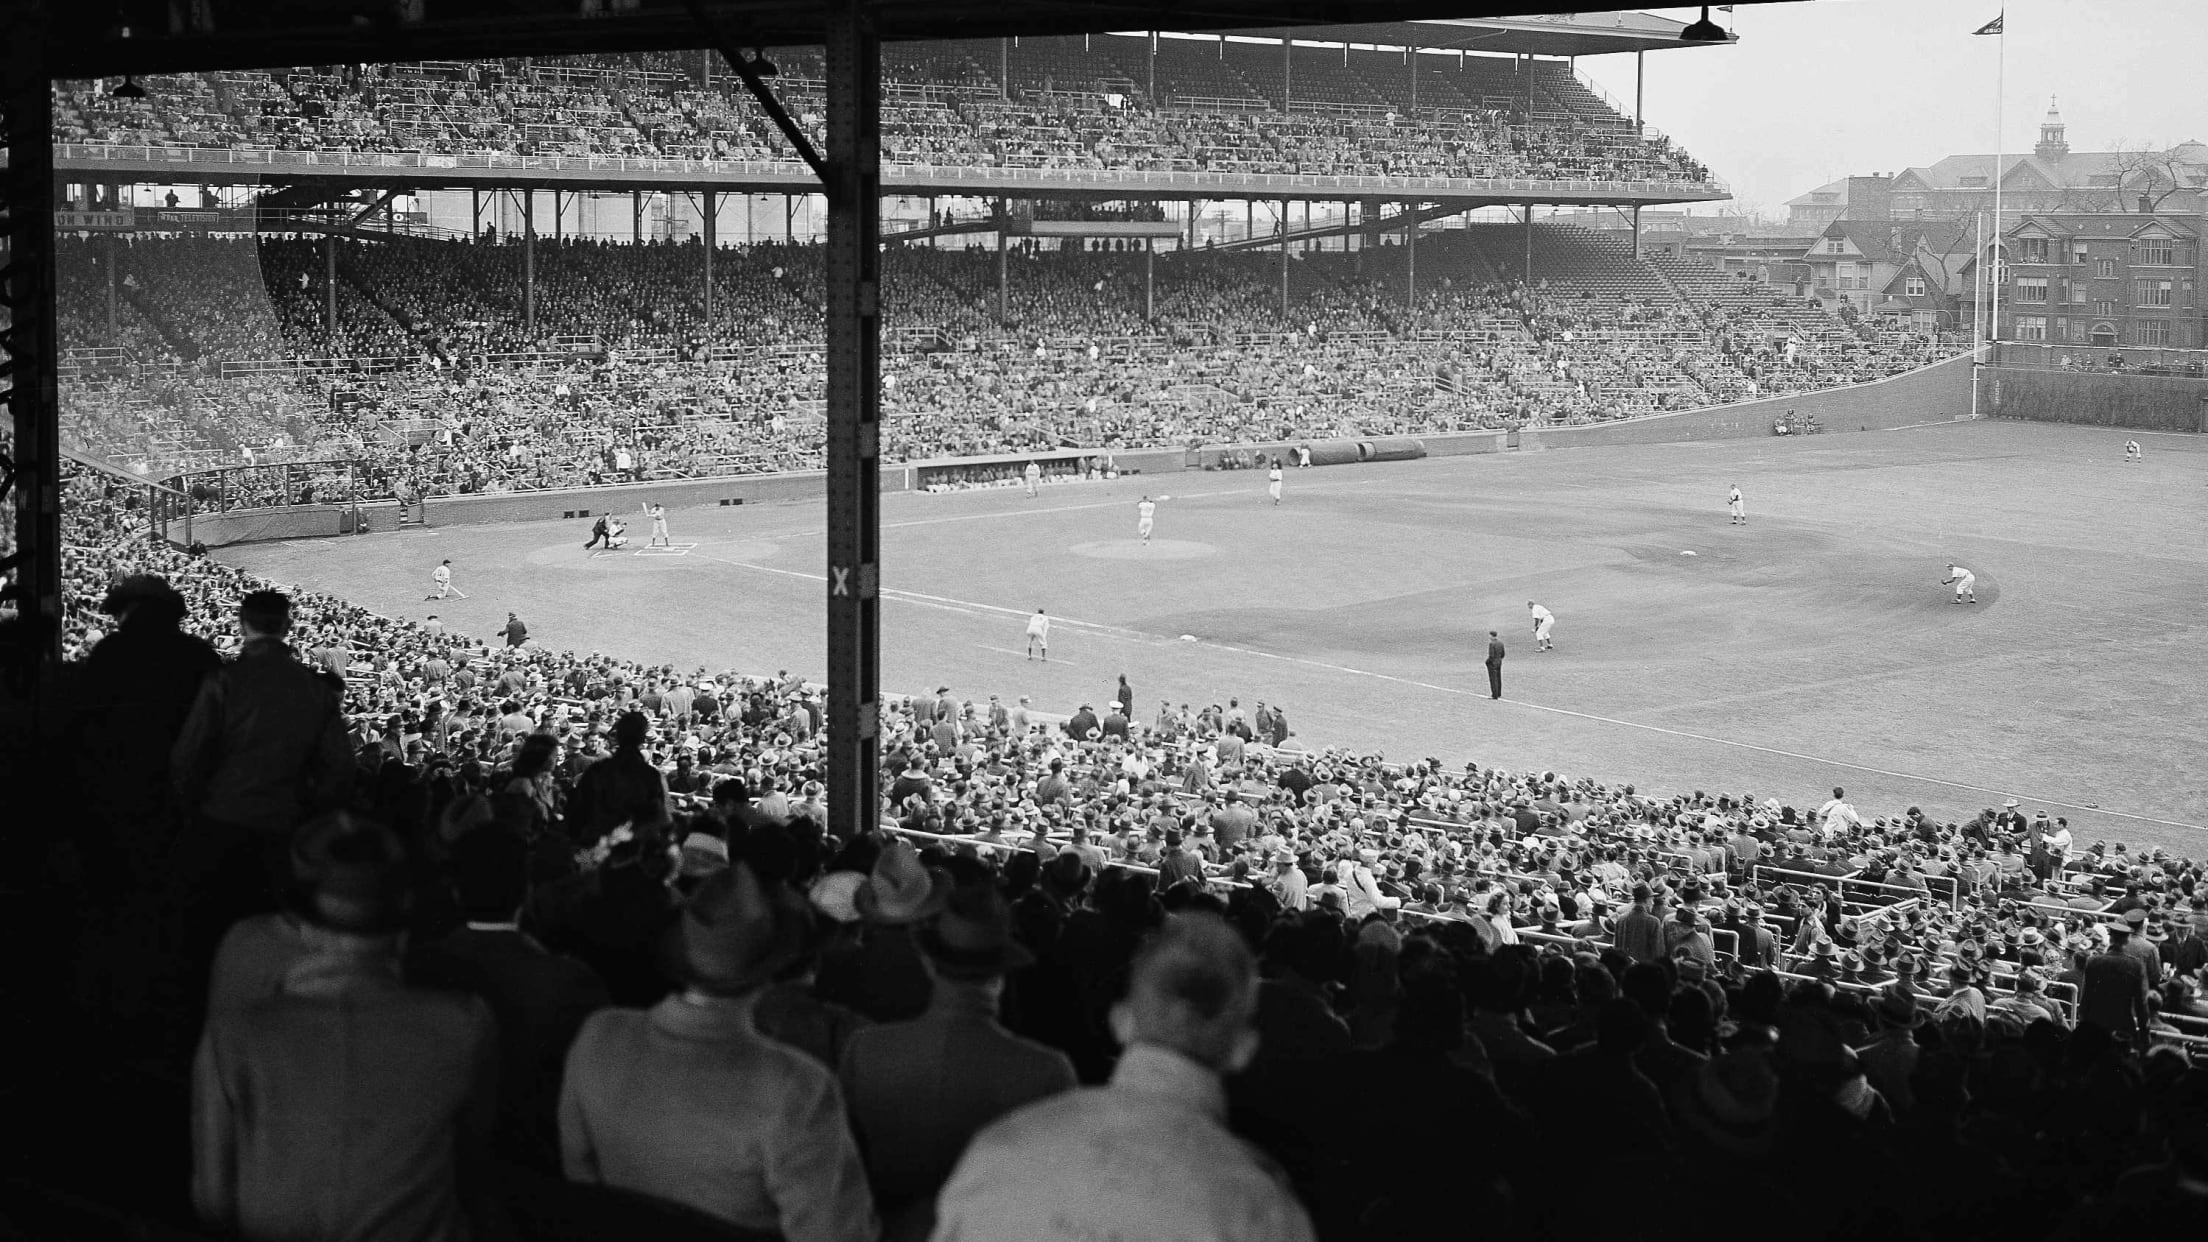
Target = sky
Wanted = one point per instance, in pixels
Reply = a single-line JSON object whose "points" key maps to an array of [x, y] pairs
{"points": [[1820, 90]]}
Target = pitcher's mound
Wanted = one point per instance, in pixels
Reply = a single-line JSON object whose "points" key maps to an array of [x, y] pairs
{"points": [[1137, 550]]}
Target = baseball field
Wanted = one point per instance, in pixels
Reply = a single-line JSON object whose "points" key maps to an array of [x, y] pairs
{"points": [[1813, 647]]}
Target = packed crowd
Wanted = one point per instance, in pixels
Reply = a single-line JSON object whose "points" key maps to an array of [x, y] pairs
{"points": [[445, 918], [437, 377], [654, 107]]}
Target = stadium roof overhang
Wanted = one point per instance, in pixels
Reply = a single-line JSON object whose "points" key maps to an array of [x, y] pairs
{"points": [[1558, 34], [103, 38]]}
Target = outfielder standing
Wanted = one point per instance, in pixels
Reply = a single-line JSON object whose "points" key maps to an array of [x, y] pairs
{"points": [[1038, 635], [1738, 506], [1033, 474], [1272, 480]]}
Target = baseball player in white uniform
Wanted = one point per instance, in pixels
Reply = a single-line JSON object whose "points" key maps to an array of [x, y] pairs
{"points": [[2133, 454], [1738, 506], [1544, 624], [1146, 513], [1272, 480], [1034, 475], [1965, 583], [1038, 635], [659, 526], [441, 578]]}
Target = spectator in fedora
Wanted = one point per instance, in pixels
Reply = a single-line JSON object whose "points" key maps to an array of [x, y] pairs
{"points": [[622, 788], [919, 1090], [1890, 1061], [1177, 1170], [878, 972], [1640, 934], [687, 1102], [2114, 993], [263, 747], [344, 1104], [539, 998], [138, 686]]}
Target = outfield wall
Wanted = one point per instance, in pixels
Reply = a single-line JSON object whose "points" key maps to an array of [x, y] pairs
{"points": [[1935, 393], [2097, 398]]}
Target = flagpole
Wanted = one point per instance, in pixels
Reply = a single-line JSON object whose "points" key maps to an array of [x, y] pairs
{"points": [[2000, 153], [1978, 291], [1977, 312]]}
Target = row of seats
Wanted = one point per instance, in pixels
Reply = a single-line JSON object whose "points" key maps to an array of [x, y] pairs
{"points": [[1077, 355], [1057, 106]]}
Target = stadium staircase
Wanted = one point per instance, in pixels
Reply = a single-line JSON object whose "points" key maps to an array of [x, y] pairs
{"points": [[366, 290], [170, 334]]}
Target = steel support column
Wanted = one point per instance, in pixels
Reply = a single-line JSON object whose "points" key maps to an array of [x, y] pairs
{"points": [[1149, 279], [1529, 244], [854, 57], [1637, 91], [712, 238], [1284, 260], [329, 290], [1004, 264], [529, 263], [1410, 254], [30, 464]]}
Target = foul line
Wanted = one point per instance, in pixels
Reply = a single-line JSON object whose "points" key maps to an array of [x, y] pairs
{"points": [[1009, 651], [1094, 504], [958, 605]]}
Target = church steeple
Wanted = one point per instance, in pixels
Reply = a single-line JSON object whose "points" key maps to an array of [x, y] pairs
{"points": [[2052, 145]]}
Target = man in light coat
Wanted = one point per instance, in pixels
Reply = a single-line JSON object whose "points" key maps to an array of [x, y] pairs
{"points": [[1149, 1155]]}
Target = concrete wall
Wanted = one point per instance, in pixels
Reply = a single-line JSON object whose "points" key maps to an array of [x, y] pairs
{"points": [[1935, 393], [2098, 398], [1929, 394]]}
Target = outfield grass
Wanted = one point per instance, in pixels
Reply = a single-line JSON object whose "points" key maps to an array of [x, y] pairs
{"points": [[1813, 647]]}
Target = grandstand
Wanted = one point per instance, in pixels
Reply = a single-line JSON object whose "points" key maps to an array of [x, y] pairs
{"points": [[313, 907]]}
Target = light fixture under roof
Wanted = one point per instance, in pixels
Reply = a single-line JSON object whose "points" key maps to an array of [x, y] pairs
{"points": [[1704, 31]]}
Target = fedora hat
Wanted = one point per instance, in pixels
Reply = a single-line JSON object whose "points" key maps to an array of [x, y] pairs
{"points": [[902, 889], [972, 937], [836, 894], [349, 875], [738, 931], [1897, 1006]]}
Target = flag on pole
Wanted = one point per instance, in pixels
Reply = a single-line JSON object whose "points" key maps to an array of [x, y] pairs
{"points": [[1993, 27]]}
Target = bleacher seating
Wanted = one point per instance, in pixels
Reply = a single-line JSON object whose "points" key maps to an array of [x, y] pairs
{"points": [[1052, 103]]}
